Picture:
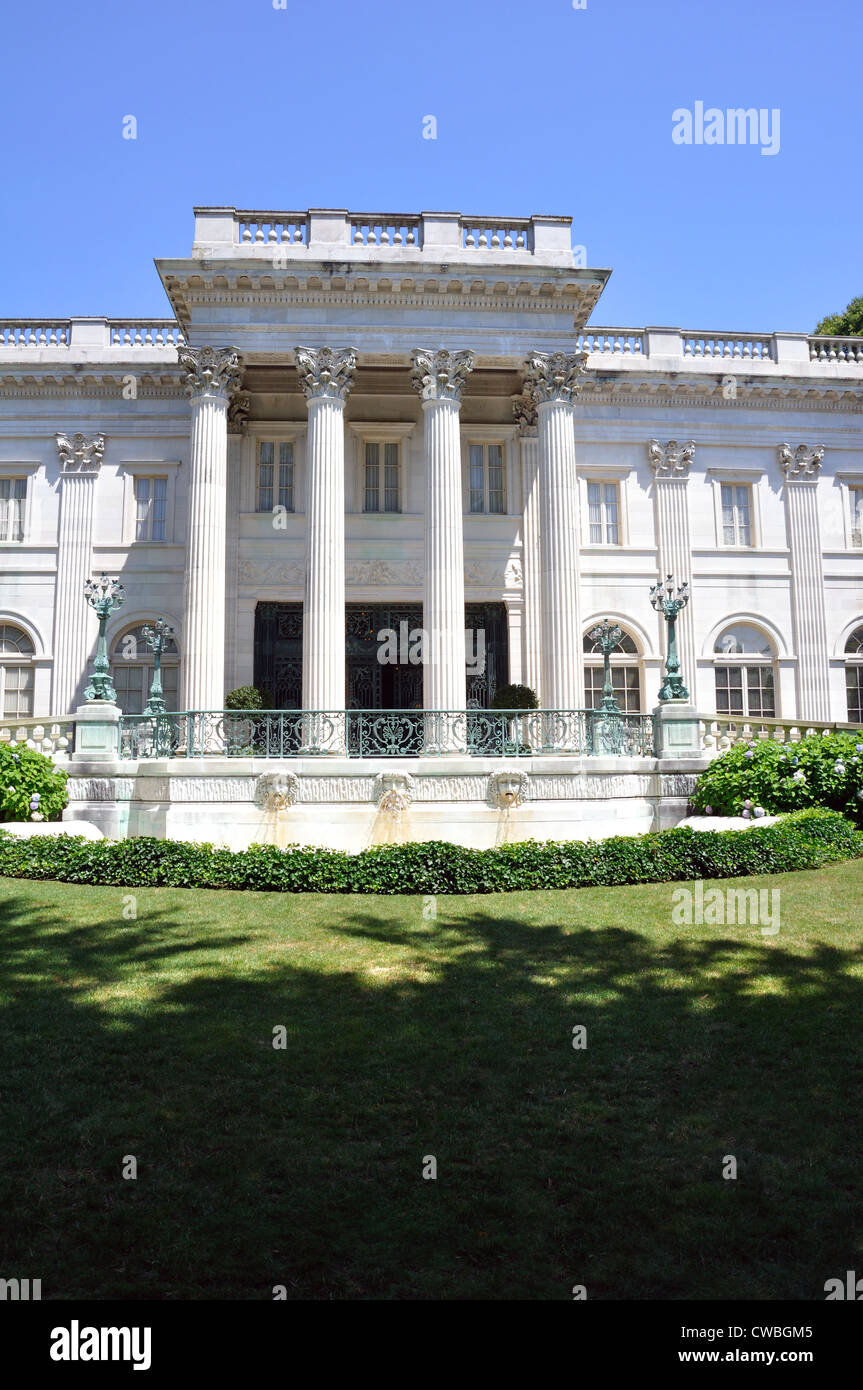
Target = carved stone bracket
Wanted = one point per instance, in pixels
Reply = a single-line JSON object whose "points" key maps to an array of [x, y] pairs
{"points": [[554, 376], [801, 462], [238, 413], [524, 415], [440, 375], [80, 454], [326, 371], [211, 371], [671, 460]]}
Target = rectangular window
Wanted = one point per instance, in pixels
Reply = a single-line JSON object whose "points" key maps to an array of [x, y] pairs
{"points": [[856, 496], [382, 478], [625, 683], [746, 690], [17, 691], [736, 514], [854, 692], [486, 480], [275, 488], [603, 505], [151, 507], [13, 494]]}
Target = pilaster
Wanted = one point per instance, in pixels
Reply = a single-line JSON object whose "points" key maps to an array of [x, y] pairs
{"points": [[802, 468], [671, 463], [74, 623]]}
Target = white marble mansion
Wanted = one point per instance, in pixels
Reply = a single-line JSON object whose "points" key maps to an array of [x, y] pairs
{"points": [[354, 423]]}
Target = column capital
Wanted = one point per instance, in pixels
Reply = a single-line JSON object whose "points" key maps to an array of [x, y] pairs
{"points": [[554, 377], [802, 462], [440, 375], [210, 371], [671, 460], [238, 413], [80, 454], [525, 417], [326, 372]]}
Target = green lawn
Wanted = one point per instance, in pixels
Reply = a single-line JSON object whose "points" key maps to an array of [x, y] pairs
{"points": [[448, 1037]]}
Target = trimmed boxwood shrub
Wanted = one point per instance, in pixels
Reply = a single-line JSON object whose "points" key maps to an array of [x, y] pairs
{"points": [[514, 697], [805, 840], [29, 782], [820, 770], [245, 697]]}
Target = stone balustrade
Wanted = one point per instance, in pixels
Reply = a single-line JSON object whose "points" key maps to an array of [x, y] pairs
{"points": [[31, 333], [46, 736], [612, 340], [379, 231], [494, 234], [721, 733], [823, 349], [272, 228], [145, 333], [740, 345]]}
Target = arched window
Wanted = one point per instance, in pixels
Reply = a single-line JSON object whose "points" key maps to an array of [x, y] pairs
{"points": [[854, 676], [744, 660], [625, 674], [16, 672], [132, 671]]}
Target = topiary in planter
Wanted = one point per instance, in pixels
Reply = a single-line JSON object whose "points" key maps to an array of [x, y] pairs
{"points": [[514, 697], [244, 697], [30, 784]]}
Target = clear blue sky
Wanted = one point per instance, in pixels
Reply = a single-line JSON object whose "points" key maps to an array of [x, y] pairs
{"points": [[539, 108]]}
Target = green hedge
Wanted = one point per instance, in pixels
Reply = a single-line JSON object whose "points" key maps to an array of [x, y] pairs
{"points": [[804, 840], [819, 770]]}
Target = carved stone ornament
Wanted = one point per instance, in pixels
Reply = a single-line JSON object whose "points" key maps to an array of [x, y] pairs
{"points": [[326, 371], [392, 785], [801, 462], [238, 413], [671, 460], [210, 371], [524, 415], [80, 454], [554, 376], [440, 375], [509, 787], [276, 791]]}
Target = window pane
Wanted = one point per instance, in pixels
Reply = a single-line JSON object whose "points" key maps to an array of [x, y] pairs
{"points": [[391, 478], [611, 519], [728, 528], [265, 477], [743, 525], [286, 476], [373, 493], [854, 691], [857, 517], [477, 479], [142, 507], [594, 512], [160, 507], [495, 478], [761, 701]]}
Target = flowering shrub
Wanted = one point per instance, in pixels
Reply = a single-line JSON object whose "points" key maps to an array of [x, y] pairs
{"points": [[29, 783], [763, 776]]}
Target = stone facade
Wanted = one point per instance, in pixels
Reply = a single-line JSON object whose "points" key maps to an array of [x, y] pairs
{"points": [[440, 427]]}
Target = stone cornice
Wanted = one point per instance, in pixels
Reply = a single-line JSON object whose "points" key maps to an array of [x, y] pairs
{"points": [[440, 375], [326, 372]]}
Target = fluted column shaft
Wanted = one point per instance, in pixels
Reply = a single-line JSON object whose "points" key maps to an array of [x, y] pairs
{"points": [[444, 682], [531, 561], [562, 657], [212, 377], [671, 464], [807, 585], [324, 611], [74, 621], [438, 377]]}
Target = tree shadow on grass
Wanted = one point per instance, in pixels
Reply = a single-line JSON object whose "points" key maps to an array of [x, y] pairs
{"points": [[303, 1166]]}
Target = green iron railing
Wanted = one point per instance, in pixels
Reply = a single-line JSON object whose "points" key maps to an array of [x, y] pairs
{"points": [[384, 733]]}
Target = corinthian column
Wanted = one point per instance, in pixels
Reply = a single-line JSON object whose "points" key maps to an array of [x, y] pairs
{"points": [[438, 378], [74, 624], [212, 376], [325, 376], [552, 382], [671, 463], [802, 467], [524, 414]]}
